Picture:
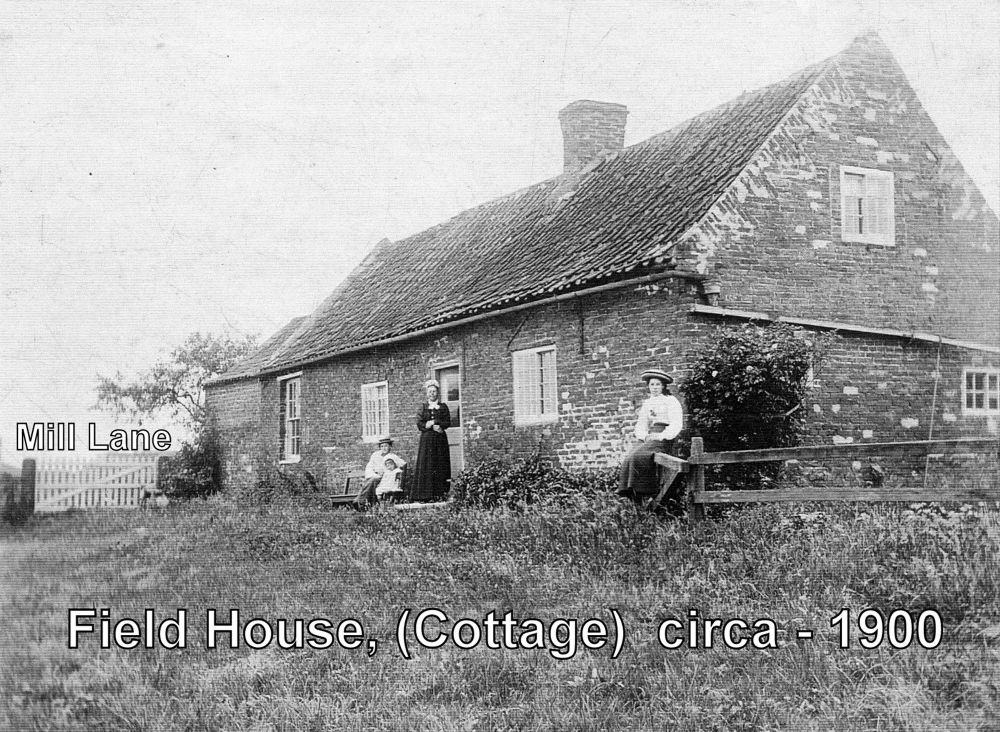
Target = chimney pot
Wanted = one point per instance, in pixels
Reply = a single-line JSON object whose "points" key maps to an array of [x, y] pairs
{"points": [[590, 129]]}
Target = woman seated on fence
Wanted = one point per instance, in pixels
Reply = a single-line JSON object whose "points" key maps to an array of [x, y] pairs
{"points": [[659, 421]]}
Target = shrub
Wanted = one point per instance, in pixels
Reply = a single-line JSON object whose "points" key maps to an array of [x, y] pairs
{"points": [[745, 392], [495, 482], [196, 470]]}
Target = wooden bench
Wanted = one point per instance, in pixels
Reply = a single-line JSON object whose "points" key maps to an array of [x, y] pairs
{"points": [[355, 481]]}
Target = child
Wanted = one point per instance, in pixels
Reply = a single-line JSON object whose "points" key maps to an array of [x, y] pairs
{"points": [[390, 479], [368, 496]]}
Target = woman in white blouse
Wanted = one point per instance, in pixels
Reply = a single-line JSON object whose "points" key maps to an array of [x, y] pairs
{"points": [[659, 420]]}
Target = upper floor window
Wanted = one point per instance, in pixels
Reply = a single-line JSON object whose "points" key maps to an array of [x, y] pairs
{"points": [[981, 391], [290, 421], [374, 411], [535, 386], [867, 211]]}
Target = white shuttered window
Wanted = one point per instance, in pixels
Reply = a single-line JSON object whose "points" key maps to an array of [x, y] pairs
{"points": [[867, 213], [535, 398], [374, 411]]}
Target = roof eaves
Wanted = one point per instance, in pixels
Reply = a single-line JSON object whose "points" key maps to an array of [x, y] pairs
{"points": [[456, 319]]}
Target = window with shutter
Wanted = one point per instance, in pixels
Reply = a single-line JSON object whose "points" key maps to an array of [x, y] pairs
{"points": [[981, 391], [535, 398], [867, 211], [374, 411]]}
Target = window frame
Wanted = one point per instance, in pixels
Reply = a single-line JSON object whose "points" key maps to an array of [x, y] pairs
{"points": [[367, 436], [286, 424], [543, 417], [985, 410], [888, 239]]}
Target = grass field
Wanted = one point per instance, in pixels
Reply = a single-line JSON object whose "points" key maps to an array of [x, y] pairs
{"points": [[295, 558]]}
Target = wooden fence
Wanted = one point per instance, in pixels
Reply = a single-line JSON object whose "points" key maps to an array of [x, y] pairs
{"points": [[119, 480], [699, 496]]}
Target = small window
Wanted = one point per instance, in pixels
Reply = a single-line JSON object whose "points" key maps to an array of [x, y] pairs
{"points": [[290, 420], [535, 386], [374, 411], [867, 211], [981, 391]]}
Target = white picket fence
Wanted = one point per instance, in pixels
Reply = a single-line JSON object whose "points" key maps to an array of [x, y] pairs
{"points": [[118, 480]]}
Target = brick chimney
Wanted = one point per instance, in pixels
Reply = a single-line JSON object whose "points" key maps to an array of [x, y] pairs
{"points": [[590, 129]]}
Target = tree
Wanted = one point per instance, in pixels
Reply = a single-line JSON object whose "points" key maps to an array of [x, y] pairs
{"points": [[746, 391], [175, 385]]}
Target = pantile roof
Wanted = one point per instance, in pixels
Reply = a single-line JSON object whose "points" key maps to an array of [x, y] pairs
{"points": [[610, 221]]}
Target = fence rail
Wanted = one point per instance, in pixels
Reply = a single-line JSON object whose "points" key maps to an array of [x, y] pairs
{"points": [[699, 496], [849, 450]]}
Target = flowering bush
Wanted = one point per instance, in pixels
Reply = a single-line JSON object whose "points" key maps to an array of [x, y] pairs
{"points": [[745, 392]]}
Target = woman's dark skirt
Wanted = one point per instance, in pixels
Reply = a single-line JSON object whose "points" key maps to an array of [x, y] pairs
{"points": [[638, 477], [432, 474]]}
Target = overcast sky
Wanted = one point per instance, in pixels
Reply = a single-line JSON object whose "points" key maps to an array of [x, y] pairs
{"points": [[173, 167]]}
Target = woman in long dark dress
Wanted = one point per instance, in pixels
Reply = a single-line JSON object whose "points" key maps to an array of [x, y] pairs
{"points": [[432, 472]]}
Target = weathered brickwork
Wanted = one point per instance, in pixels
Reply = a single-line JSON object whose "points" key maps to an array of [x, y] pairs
{"points": [[872, 389], [236, 411], [598, 366], [774, 241], [882, 390], [868, 389]]}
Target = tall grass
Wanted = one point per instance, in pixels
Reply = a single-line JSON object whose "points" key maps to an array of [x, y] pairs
{"points": [[572, 558]]}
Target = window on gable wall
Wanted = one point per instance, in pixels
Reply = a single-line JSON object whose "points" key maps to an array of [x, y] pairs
{"points": [[867, 206], [981, 391], [535, 399], [374, 411], [290, 420]]}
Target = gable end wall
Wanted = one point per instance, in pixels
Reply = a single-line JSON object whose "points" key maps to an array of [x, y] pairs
{"points": [[773, 242]]}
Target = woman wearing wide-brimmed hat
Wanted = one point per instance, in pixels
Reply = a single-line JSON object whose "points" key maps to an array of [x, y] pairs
{"points": [[432, 472], [659, 421]]}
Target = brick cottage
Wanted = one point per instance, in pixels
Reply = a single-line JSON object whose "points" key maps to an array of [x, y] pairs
{"points": [[828, 200]]}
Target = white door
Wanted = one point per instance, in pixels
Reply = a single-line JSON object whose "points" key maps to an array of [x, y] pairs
{"points": [[451, 394]]}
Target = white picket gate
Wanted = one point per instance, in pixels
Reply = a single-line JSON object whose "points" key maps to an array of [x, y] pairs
{"points": [[118, 480]]}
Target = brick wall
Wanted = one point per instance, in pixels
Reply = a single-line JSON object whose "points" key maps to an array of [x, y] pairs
{"points": [[598, 364], [236, 411], [870, 388], [883, 390], [590, 128], [774, 240]]}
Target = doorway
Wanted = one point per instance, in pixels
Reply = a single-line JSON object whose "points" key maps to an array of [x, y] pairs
{"points": [[450, 379]]}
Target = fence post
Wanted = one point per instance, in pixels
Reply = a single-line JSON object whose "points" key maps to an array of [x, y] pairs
{"points": [[698, 475], [24, 493], [8, 491]]}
